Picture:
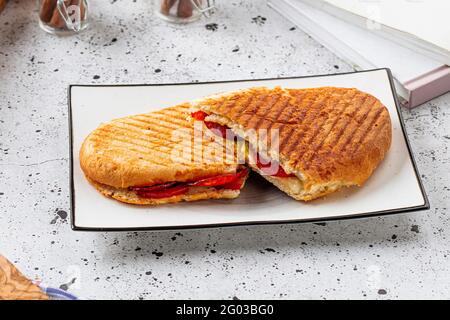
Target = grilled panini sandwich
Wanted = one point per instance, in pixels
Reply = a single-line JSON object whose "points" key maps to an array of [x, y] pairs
{"points": [[328, 138], [158, 158]]}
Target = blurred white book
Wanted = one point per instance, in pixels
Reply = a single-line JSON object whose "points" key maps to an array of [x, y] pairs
{"points": [[360, 35]]}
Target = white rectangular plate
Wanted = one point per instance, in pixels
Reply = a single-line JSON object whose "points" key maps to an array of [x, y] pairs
{"points": [[394, 187]]}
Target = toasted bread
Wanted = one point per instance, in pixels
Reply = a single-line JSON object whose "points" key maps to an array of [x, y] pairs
{"points": [[329, 137], [151, 149]]}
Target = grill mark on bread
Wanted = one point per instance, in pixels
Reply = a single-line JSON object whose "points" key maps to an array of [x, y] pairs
{"points": [[239, 103], [321, 121], [147, 139], [248, 100], [274, 125], [287, 113], [153, 156], [262, 135], [136, 142], [176, 115], [315, 151], [166, 121], [272, 120], [369, 127], [365, 126], [133, 137], [284, 140], [317, 127], [235, 101], [275, 110], [128, 144], [347, 132], [378, 128], [150, 132], [245, 114], [343, 127], [159, 123], [285, 102], [149, 146], [142, 153], [255, 103], [146, 130], [346, 145], [266, 108], [339, 134], [305, 126], [298, 115]]}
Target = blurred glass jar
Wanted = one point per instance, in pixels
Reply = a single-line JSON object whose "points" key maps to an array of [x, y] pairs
{"points": [[63, 17], [184, 11]]}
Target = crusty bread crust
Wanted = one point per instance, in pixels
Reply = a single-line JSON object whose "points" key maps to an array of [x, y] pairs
{"points": [[328, 137], [293, 186], [139, 150], [199, 193]]}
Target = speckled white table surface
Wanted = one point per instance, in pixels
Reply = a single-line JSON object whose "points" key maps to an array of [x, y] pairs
{"points": [[401, 256]]}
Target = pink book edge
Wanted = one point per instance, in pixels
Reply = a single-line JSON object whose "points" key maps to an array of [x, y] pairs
{"points": [[428, 86]]}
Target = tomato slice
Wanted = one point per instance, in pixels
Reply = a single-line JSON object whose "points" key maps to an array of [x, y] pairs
{"points": [[223, 180], [280, 172], [217, 128], [167, 193], [199, 115], [158, 187], [235, 185], [215, 181], [232, 181]]}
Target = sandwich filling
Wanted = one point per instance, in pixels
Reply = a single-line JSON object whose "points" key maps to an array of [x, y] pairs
{"points": [[233, 181], [263, 166]]}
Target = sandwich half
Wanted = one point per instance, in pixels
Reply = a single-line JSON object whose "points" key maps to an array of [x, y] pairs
{"points": [[160, 157], [325, 138]]}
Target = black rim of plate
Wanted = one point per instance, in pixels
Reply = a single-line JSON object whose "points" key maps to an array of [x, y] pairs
{"points": [[424, 206]]}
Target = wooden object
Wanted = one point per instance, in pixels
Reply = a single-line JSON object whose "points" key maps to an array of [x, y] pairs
{"points": [[15, 286], [2, 5]]}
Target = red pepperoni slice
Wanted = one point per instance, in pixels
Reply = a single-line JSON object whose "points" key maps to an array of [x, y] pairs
{"points": [[280, 172], [218, 180], [232, 181], [217, 128], [199, 115], [174, 191], [236, 185]]}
